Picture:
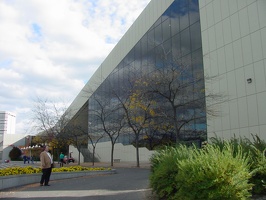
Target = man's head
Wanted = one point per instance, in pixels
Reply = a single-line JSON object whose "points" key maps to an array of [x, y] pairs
{"points": [[46, 148]]}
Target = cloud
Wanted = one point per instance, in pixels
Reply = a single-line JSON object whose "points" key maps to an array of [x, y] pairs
{"points": [[50, 49]]}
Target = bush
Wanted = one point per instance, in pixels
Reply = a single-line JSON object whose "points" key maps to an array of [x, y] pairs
{"points": [[257, 161], [164, 169], [15, 153], [214, 174], [258, 168], [209, 173]]}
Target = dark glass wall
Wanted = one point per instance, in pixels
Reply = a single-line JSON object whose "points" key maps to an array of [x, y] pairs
{"points": [[175, 36]]}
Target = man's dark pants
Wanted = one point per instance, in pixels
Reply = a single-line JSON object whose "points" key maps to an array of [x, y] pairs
{"points": [[45, 176]]}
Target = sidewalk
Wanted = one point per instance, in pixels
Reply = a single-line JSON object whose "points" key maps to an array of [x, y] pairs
{"points": [[129, 183], [116, 164], [18, 164]]}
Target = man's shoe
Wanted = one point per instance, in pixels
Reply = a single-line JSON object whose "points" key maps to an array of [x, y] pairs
{"points": [[41, 184], [47, 185]]}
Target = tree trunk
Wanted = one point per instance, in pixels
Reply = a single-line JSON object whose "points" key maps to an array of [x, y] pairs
{"points": [[93, 156], [112, 154], [137, 150], [79, 158]]}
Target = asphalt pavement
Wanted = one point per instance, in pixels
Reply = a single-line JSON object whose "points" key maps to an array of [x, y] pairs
{"points": [[130, 183]]}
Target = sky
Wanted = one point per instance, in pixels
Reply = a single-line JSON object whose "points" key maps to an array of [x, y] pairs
{"points": [[49, 49]]}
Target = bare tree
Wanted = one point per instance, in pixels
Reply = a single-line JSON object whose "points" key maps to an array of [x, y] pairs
{"points": [[110, 117], [74, 135], [50, 119], [94, 139], [177, 85], [138, 109], [53, 123], [102, 120]]}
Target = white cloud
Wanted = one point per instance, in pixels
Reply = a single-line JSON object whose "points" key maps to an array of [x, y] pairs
{"points": [[50, 49]]}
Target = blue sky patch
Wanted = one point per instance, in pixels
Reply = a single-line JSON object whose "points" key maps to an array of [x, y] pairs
{"points": [[36, 29], [5, 63], [36, 33], [110, 40]]}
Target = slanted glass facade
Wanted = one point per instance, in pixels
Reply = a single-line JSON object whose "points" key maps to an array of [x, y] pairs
{"points": [[173, 44]]}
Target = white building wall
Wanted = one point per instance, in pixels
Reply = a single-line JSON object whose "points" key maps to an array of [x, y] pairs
{"points": [[7, 126], [125, 153], [8, 141], [75, 154], [7, 123], [234, 50]]}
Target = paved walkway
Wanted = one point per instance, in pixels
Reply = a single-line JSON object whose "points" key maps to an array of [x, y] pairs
{"points": [[89, 164], [129, 183], [18, 164]]}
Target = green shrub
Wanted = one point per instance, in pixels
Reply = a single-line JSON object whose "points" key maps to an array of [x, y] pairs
{"points": [[164, 169], [256, 149], [214, 174], [210, 173], [258, 168], [15, 153]]}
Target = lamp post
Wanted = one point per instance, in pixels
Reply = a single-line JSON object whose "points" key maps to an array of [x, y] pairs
{"points": [[30, 150]]}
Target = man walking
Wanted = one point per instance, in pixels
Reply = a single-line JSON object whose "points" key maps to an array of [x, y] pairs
{"points": [[61, 156], [46, 165]]}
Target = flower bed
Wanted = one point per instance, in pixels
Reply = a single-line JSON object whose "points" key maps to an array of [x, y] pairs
{"points": [[34, 170]]}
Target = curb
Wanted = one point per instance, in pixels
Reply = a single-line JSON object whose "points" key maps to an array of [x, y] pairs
{"points": [[7, 182]]}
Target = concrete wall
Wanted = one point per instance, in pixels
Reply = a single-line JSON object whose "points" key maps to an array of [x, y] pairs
{"points": [[234, 50], [75, 154], [10, 140], [123, 153]]}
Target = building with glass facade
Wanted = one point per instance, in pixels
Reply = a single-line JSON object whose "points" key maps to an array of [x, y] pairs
{"points": [[202, 64]]}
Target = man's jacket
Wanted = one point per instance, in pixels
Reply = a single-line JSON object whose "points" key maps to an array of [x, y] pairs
{"points": [[45, 160]]}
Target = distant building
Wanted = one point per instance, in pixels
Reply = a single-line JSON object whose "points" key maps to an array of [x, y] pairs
{"points": [[7, 126], [7, 122]]}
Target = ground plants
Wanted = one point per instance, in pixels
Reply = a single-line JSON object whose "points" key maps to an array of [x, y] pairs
{"points": [[190, 173], [164, 168], [213, 174], [33, 170], [256, 150]]}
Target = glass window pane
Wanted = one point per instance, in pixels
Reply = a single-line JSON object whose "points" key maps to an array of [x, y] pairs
{"points": [[151, 39], [174, 25], [193, 11], [166, 29], [158, 35], [176, 46], [185, 42], [183, 14], [144, 44], [195, 36]]}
